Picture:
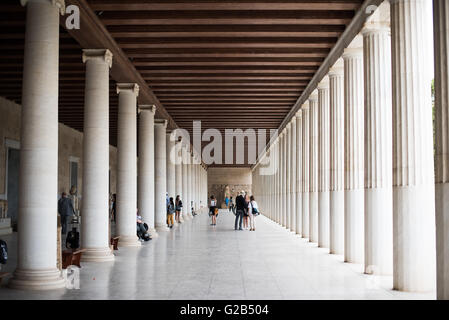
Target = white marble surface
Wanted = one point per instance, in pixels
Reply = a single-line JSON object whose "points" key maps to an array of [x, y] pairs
{"points": [[198, 261]]}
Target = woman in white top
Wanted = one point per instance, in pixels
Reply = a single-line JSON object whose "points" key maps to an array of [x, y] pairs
{"points": [[253, 211]]}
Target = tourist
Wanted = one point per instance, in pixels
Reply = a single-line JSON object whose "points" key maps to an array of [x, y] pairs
{"points": [[240, 210], [253, 212], [227, 201], [65, 209], [213, 211], [231, 205], [178, 206], [142, 228], [170, 213], [246, 213]]}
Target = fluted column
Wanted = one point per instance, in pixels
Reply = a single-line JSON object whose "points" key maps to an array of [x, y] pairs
{"points": [[441, 30], [160, 172], [178, 174], [354, 186], [299, 175], [170, 165], [278, 169], [38, 175], [95, 224], [292, 169], [288, 166], [413, 168], [378, 145], [145, 177], [284, 177], [305, 170], [192, 182], [313, 165], [323, 163], [127, 164], [185, 188], [337, 195]]}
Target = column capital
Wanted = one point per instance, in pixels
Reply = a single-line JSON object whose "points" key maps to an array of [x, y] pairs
{"points": [[133, 87], [98, 54], [324, 83], [337, 69], [299, 113], [355, 48], [60, 4], [379, 22], [288, 126], [161, 122], [147, 107], [314, 96], [305, 105]]}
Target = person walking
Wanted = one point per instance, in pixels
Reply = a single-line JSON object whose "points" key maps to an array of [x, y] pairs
{"points": [[213, 210], [227, 202], [231, 205], [170, 213], [240, 210], [253, 212], [178, 206], [65, 209]]}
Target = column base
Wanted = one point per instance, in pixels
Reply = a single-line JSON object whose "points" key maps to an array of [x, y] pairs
{"points": [[97, 255], [153, 233], [442, 223], [313, 217], [162, 228], [337, 222], [129, 241], [49, 279], [355, 226]]}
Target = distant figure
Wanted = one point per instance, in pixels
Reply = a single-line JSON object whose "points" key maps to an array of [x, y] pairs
{"points": [[178, 206], [73, 239], [231, 206], [142, 228], [246, 213], [240, 210], [65, 209], [213, 211], [113, 209], [253, 212], [227, 202], [170, 213]]}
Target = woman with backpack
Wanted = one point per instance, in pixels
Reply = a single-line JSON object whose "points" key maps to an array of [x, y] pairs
{"points": [[253, 210], [213, 211], [178, 206], [170, 213]]}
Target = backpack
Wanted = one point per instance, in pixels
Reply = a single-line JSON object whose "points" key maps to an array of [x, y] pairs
{"points": [[3, 252]]}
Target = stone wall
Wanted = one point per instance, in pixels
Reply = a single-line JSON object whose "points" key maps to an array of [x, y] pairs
{"points": [[236, 179], [70, 147]]}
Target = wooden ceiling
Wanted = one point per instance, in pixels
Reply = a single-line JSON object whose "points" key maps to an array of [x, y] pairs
{"points": [[229, 63]]}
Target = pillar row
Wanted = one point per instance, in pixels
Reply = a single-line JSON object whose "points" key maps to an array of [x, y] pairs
{"points": [[313, 167]]}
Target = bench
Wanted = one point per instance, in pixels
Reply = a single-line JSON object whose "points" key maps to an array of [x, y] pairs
{"points": [[71, 257], [114, 242], [3, 275]]}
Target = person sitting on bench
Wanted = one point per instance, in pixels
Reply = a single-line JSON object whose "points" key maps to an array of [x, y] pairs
{"points": [[142, 229]]}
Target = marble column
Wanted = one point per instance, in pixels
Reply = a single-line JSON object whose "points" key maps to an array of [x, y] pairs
{"points": [[170, 166], [323, 163], [299, 174], [178, 174], [293, 152], [305, 169], [441, 31], [337, 175], [288, 166], [284, 177], [38, 173], [276, 178], [313, 166], [145, 177], [95, 223], [378, 145], [185, 187], [127, 164], [160, 172], [354, 184], [414, 258]]}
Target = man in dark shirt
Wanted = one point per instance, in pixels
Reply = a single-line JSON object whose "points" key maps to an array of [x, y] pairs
{"points": [[240, 206], [65, 209]]}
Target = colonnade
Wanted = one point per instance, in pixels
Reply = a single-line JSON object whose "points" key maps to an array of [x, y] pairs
{"points": [[363, 160], [142, 182]]}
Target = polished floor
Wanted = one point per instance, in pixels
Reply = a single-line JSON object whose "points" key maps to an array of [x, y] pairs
{"points": [[199, 261]]}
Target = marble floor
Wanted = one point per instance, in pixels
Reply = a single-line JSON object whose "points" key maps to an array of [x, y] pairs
{"points": [[199, 261]]}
